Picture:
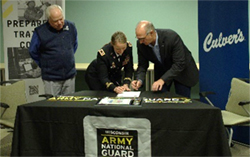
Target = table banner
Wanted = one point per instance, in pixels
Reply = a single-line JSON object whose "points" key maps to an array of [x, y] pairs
{"points": [[116, 142], [113, 136], [223, 46]]}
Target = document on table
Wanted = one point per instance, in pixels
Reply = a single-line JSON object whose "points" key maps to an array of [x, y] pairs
{"points": [[129, 94], [115, 101]]}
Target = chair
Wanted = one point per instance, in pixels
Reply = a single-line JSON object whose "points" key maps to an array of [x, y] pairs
{"points": [[237, 107], [46, 96], [5, 142], [11, 96]]}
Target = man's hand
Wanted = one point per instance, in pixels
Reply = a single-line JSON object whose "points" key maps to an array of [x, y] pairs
{"points": [[157, 85], [136, 84]]}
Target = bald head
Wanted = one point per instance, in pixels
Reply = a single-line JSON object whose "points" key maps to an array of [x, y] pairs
{"points": [[141, 26], [145, 26], [145, 32]]}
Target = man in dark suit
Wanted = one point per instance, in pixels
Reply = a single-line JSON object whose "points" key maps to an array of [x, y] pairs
{"points": [[173, 62]]}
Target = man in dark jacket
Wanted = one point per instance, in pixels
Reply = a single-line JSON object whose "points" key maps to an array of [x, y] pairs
{"points": [[52, 47], [172, 60]]}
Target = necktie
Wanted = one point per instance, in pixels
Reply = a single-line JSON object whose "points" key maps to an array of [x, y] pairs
{"points": [[119, 57]]}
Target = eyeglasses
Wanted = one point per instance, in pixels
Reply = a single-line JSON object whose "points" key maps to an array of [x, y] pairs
{"points": [[143, 37]]}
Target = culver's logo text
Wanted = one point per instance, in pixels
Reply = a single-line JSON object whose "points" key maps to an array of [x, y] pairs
{"points": [[210, 43]]}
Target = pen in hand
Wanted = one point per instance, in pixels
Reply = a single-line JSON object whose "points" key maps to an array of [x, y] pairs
{"points": [[135, 84]]}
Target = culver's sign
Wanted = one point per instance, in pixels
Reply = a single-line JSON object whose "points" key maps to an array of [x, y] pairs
{"points": [[212, 43]]}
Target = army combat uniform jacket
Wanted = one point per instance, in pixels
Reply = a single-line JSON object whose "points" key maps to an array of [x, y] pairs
{"points": [[106, 72]]}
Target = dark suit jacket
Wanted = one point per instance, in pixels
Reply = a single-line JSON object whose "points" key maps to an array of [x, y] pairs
{"points": [[177, 61]]}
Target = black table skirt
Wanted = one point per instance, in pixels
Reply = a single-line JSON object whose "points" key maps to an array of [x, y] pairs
{"points": [[55, 128]]}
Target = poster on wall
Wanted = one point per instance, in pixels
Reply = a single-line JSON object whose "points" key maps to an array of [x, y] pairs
{"points": [[223, 47], [20, 17]]}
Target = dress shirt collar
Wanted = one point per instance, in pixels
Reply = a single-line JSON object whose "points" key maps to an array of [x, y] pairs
{"points": [[156, 41]]}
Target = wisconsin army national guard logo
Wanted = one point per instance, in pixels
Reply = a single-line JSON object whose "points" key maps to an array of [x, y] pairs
{"points": [[103, 138]]}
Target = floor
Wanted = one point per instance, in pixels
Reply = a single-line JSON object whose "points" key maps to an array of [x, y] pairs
{"points": [[239, 150], [5, 142]]}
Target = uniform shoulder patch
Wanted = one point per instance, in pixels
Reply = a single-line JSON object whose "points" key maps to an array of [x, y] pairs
{"points": [[101, 52], [129, 44]]}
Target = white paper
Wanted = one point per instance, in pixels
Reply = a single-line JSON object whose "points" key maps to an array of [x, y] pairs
{"points": [[114, 101], [129, 94]]}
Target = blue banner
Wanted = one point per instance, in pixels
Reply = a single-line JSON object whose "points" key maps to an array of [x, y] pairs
{"points": [[223, 46]]}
